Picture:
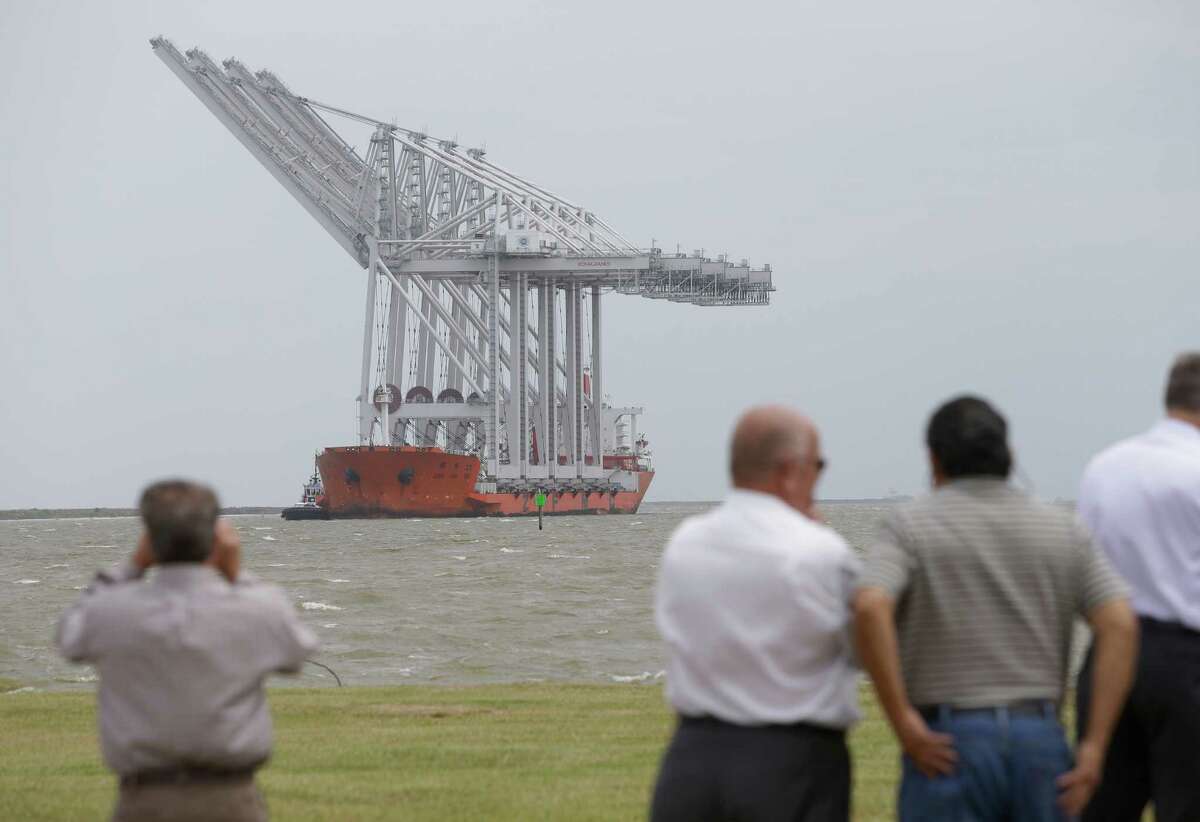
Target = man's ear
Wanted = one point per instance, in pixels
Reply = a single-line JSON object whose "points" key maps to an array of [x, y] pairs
{"points": [[214, 554], [935, 467], [143, 557]]}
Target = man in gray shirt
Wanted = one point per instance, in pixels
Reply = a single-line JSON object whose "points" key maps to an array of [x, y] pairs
{"points": [[182, 659], [964, 615]]}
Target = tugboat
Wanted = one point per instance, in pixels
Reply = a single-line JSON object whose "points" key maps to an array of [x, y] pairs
{"points": [[312, 503]]}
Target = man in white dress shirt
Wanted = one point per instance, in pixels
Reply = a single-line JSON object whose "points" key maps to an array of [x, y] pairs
{"points": [[1141, 500], [753, 604]]}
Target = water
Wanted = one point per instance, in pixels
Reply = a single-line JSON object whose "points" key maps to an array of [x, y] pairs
{"points": [[445, 601]]}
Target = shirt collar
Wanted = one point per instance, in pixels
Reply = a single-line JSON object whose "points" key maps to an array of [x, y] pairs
{"points": [[979, 485], [1179, 429], [746, 498], [186, 575]]}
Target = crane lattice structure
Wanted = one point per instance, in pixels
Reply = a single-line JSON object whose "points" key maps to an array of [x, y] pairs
{"points": [[459, 252]]}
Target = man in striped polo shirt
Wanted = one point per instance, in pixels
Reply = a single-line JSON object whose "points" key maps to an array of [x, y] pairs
{"points": [[963, 617]]}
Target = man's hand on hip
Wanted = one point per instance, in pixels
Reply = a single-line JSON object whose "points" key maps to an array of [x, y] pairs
{"points": [[933, 753], [875, 632], [1078, 784]]}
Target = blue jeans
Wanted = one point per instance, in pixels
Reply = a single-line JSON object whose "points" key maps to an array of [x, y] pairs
{"points": [[1007, 766]]}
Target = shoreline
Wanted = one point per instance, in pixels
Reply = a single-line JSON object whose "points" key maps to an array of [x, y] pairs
{"points": [[19, 514]]}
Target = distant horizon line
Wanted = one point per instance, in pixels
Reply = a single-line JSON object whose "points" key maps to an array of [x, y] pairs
{"points": [[101, 512]]}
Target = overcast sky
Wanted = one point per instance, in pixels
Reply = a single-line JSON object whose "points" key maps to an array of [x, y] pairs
{"points": [[997, 197]]}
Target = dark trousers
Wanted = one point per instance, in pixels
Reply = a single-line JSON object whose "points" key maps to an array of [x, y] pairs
{"points": [[1155, 750], [714, 770]]}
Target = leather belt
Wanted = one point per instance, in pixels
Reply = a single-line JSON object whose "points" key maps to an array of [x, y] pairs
{"points": [[707, 721], [187, 776], [1028, 707]]}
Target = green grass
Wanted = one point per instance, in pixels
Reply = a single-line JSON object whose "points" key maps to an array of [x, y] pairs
{"points": [[497, 752]]}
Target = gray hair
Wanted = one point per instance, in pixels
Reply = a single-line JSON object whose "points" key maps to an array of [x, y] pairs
{"points": [[181, 519], [1183, 385]]}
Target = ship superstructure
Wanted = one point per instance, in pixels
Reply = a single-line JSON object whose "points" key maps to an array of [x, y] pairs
{"points": [[482, 377], [312, 504]]}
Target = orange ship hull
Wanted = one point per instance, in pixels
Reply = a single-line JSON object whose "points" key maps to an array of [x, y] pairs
{"points": [[429, 482]]}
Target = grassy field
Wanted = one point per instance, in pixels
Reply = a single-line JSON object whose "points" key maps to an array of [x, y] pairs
{"points": [[502, 752]]}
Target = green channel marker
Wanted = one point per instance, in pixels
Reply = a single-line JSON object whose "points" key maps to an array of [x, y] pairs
{"points": [[539, 500]]}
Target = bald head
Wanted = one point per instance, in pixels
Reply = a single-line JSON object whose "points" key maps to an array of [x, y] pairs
{"points": [[766, 436]]}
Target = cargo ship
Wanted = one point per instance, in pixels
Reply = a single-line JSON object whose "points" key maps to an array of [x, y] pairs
{"points": [[481, 383], [449, 478], [404, 481]]}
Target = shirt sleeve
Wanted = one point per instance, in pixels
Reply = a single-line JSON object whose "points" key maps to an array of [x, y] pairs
{"points": [[1086, 508], [666, 593], [850, 576], [1098, 582], [293, 640], [889, 561], [299, 642], [74, 634], [823, 589], [842, 577]]}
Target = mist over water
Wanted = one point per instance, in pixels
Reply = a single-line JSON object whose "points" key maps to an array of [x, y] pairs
{"points": [[432, 601]]}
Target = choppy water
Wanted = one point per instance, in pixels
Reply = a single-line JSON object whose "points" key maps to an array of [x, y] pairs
{"points": [[452, 601]]}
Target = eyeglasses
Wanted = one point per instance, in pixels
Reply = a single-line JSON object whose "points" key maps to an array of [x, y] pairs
{"points": [[817, 462]]}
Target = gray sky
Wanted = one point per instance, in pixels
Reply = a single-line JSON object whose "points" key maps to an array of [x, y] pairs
{"points": [[1000, 197]]}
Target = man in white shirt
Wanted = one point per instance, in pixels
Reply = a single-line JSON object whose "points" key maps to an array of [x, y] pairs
{"points": [[1141, 500], [753, 604]]}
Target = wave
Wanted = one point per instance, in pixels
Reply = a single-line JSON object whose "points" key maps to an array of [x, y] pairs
{"points": [[644, 676], [319, 606]]}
